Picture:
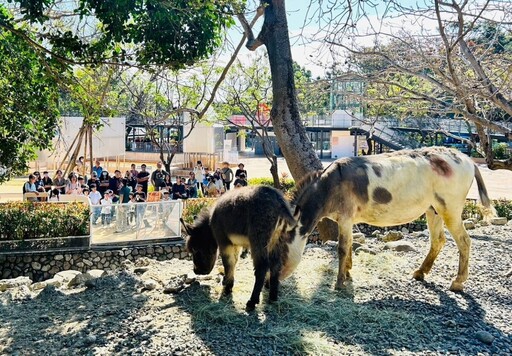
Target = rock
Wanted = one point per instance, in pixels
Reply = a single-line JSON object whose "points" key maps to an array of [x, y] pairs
{"points": [[405, 230], [140, 270], [139, 297], [365, 249], [175, 285], [14, 283], [392, 235], [83, 278], [356, 245], [36, 265], [66, 276], [87, 262], [143, 262], [359, 238], [485, 337], [469, 224], [90, 339], [400, 246], [509, 273], [498, 220], [190, 278], [149, 284], [376, 233], [58, 257], [484, 223], [56, 282], [97, 273]]}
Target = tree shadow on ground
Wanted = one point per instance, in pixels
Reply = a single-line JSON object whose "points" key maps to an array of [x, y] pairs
{"points": [[81, 321], [426, 318]]}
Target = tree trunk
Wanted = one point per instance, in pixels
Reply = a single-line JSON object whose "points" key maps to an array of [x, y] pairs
{"points": [[289, 130], [275, 173], [290, 133]]}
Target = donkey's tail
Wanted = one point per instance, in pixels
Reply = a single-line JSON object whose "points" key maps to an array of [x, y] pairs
{"points": [[488, 211]]}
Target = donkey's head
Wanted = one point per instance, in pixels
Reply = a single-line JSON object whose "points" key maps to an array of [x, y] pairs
{"points": [[201, 244], [306, 202]]}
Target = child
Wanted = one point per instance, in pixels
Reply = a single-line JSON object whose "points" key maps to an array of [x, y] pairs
{"points": [[106, 207], [131, 209]]}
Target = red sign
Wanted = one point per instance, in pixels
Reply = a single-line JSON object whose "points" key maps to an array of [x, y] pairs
{"points": [[239, 120]]}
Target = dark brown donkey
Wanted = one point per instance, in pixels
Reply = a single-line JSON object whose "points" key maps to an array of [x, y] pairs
{"points": [[254, 217]]}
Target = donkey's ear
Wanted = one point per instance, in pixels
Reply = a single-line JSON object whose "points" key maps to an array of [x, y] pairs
{"points": [[185, 226], [297, 214]]}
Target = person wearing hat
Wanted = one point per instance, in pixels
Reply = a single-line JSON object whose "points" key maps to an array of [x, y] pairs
{"points": [[227, 174], [104, 179], [240, 170], [94, 180]]}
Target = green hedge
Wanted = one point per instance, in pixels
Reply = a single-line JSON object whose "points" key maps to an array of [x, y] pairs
{"points": [[503, 208], [29, 220], [287, 183]]}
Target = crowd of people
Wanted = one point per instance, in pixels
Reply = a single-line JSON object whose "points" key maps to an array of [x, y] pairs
{"points": [[104, 189]]}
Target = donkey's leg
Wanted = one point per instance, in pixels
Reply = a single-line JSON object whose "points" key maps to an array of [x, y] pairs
{"points": [[344, 254], [276, 265], [437, 241], [229, 255], [260, 270], [461, 237]]}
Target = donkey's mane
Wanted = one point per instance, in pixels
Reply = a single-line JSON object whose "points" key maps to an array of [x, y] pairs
{"points": [[303, 184], [202, 218]]}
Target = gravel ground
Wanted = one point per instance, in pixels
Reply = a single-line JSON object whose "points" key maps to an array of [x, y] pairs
{"points": [[383, 311]]}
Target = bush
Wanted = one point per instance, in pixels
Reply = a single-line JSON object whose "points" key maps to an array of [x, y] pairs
{"points": [[503, 208], [471, 210], [287, 183], [29, 220], [194, 206]]}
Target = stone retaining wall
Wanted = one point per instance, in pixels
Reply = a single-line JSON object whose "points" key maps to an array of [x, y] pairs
{"points": [[39, 266], [411, 227]]}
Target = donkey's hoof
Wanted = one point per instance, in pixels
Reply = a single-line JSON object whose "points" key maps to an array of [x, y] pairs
{"points": [[456, 287], [227, 290], [340, 285], [419, 275], [272, 298], [250, 306]]}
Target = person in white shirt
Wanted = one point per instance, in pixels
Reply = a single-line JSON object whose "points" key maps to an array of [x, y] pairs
{"points": [[200, 173], [94, 199], [106, 207]]}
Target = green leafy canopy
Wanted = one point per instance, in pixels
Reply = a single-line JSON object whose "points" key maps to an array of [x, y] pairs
{"points": [[174, 33], [28, 105]]}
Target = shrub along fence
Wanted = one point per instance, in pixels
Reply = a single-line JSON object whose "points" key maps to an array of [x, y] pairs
{"points": [[43, 226]]}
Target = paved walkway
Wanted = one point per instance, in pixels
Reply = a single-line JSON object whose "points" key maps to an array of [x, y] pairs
{"points": [[499, 183]]}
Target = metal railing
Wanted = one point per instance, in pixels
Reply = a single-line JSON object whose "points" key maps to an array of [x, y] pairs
{"points": [[136, 222]]}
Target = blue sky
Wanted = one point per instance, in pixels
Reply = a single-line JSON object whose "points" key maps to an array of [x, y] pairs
{"points": [[312, 55]]}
